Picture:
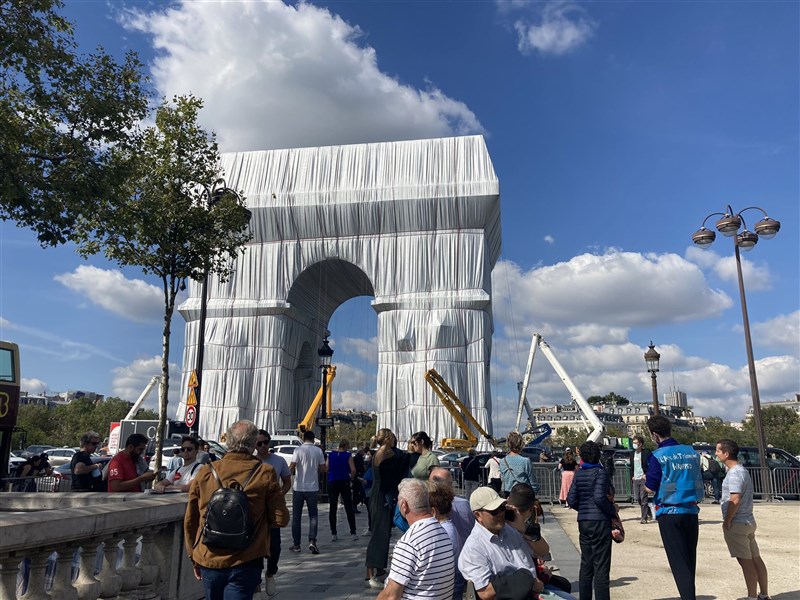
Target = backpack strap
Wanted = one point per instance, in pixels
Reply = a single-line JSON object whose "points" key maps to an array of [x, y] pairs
{"points": [[249, 477]]}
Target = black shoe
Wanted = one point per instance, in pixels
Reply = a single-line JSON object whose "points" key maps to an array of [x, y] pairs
{"points": [[312, 546]]}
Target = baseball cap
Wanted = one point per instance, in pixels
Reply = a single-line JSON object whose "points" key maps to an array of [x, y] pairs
{"points": [[485, 498]]}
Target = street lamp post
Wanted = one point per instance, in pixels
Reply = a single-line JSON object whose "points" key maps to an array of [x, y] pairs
{"points": [[212, 196], [651, 358], [767, 228], [325, 354]]}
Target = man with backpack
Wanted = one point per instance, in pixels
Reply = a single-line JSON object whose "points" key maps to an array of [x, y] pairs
{"points": [[233, 503]]}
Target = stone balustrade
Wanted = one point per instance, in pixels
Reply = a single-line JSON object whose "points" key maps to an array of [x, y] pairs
{"points": [[34, 526]]}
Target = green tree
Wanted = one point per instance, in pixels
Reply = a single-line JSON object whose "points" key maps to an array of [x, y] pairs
{"points": [[781, 428], [63, 117], [169, 224], [569, 437], [609, 398]]}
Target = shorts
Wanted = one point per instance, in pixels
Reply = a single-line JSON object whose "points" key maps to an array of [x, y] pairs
{"points": [[741, 540]]}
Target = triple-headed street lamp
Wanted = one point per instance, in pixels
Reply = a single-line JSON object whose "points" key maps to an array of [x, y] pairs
{"points": [[651, 358], [729, 225], [325, 354], [211, 195]]}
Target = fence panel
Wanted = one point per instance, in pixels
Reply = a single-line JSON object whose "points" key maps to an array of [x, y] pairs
{"points": [[786, 483]]}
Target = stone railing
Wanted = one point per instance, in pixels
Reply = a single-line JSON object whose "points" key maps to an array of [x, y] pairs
{"points": [[35, 526]]}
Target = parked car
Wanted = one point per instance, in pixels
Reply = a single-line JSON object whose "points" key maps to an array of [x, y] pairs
{"points": [[59, 456], [35, 449], [450, 460], [285, 451], [285, 440], [61, 479], [167, 453], [14, 461]]}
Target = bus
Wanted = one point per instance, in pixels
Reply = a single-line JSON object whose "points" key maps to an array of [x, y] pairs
{"points": [[9, 400]]}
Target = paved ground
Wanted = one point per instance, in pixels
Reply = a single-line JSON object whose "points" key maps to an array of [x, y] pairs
{"points": [[639, 566]]}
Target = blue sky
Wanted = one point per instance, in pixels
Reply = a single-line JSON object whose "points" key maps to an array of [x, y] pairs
{"points": [[614, 128]]}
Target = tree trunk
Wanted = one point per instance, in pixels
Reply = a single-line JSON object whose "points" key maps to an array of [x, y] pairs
{"points": [[169, 298]]}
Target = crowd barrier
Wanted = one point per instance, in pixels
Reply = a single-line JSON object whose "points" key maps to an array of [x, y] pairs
{"points": [[781, 483]]}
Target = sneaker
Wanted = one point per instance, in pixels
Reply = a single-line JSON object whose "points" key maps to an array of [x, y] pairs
{"points": [[643, 521], [269, 586], [376, 584], [334, 538], [366, 533], [354, 536], [763, 597], [295, 548], [313, 548]]}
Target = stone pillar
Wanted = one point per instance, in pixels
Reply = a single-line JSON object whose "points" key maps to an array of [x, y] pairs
{"points": [[110, 580], [130, 572], [9, 569], [62, 582], [36, 575], [87, 586], [149, 566]]}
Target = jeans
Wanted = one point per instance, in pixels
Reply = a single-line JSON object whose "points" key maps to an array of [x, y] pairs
{"points": [[595, 539], [309, 498], [235, 583], [640, 495], [469, 487], [274, 551], [679, 535]]}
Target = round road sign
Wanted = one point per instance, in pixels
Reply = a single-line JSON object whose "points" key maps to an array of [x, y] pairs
{"points": [[191, 415]]}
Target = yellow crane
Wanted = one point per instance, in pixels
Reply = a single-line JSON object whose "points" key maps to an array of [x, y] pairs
{"points": [[308, 421], [459, 412]]}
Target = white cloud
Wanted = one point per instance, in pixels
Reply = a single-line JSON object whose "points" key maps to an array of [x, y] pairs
{"points": [[614, 290], [560, 28], [132, 299], [366, 350], [550, 239], [356, 400], [724, 267], [297, 75], [33, 385], [352, 377], [129, 382], [781, 332]]}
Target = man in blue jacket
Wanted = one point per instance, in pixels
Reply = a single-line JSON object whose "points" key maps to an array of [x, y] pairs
{"points": [[674, 477]]}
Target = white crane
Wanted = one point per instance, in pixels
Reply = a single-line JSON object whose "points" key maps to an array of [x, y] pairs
{"points": [[142, 397], [597, 427]]}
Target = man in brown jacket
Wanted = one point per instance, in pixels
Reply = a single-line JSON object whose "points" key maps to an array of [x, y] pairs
{"points": [[235, 573]]}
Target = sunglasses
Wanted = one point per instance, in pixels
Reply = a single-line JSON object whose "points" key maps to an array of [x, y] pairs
{"points": [[187, 449], [259, 444], [496, 511], [93, 443]]}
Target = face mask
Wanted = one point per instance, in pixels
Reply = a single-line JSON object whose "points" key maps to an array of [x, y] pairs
{"points": [[635, 446]]}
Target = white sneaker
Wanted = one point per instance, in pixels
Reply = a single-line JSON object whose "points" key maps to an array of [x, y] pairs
{"points": [[269, 586], [376, 584], [334, 538], [354, 537], [366, 533]]}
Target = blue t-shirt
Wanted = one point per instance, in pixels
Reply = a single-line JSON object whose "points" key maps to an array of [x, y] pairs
{"points": [[738, 481]]}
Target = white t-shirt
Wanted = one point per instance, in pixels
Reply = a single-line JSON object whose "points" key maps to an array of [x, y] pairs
{"points": [[307, 460], [423, 562], [493, 464], [186, 473]]}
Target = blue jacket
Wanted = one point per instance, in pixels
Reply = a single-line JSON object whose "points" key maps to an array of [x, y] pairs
{"points": [[673, 473], [589, 494]]}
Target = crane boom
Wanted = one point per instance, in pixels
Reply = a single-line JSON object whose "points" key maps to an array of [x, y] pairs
{"points": [[458, 411], [308, 421], [142, 397], [537, 342]]}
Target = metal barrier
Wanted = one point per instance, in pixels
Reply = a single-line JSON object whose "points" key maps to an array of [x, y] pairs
{"points": [[786, 483], [45, 483]]}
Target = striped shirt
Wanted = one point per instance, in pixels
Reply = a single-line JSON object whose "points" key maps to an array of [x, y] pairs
{"points": [[423, 562]]}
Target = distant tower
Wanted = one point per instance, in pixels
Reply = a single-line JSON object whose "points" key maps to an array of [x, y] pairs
{"points": [[675, 398]]}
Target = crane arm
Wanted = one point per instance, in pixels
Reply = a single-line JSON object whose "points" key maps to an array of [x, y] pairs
{"points": [[597, 426], [142, 397], [458, 411], [308, 421]]}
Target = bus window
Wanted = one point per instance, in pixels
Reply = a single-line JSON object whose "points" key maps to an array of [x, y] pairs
{"points": [[8, 359]]}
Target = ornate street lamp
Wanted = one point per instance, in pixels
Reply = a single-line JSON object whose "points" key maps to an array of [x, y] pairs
{"points": [[211, 195], [651, 358], [729, 225], [325, 354]]}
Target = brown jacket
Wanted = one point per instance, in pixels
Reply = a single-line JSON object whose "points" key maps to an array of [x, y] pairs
{"points": [[267, 509]]}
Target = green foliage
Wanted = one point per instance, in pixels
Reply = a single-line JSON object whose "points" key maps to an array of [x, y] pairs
{"points": [[357, 436], [167, 222], [781, 428], [609, 398], [64, 425], [64, 117], [564, 436]]}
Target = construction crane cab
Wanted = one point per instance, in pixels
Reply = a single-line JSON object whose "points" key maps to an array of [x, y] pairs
{"points": [[597, 427], [311, 416], [460, 414]]}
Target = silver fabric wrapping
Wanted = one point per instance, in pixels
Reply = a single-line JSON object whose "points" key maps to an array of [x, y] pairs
{"points": [[415, 225]]}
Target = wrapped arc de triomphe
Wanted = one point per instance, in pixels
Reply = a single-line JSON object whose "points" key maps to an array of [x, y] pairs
{"points": [[415, 225]]}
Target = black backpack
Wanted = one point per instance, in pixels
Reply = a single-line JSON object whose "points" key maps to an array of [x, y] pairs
{"points": [[227, 523]]}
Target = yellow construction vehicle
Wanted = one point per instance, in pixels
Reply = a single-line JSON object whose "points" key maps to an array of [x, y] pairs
{"points": [[459, 412], [308, 421]]}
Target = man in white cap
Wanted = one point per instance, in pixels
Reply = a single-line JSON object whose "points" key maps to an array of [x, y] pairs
{"points": [[495, 554]]}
